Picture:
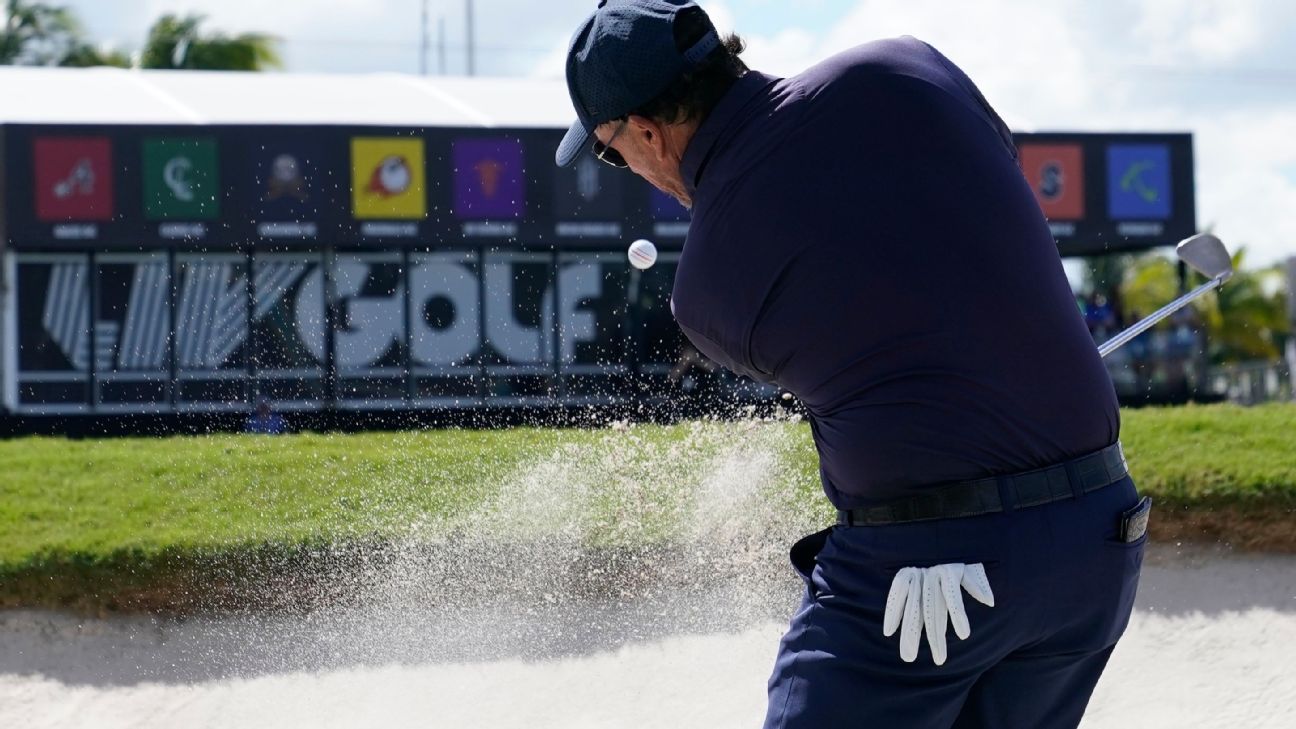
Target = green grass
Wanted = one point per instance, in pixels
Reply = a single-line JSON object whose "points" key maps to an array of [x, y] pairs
{"points": [[89, 513], [1208, 456], [96, 497]]}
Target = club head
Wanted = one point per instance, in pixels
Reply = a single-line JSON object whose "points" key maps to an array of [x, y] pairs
{"points": [[1207, 256]]}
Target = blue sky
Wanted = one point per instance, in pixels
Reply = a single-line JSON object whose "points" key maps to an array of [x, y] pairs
{"points": [[347, 35], [1222, 69]]}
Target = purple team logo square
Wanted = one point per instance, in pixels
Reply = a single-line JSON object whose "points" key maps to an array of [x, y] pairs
{"points": [[489, 179]]}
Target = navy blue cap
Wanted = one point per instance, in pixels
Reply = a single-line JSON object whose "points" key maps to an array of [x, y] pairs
{"points": [[622, 57]]}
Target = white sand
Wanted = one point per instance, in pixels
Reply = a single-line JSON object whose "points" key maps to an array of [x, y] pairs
{"points": [[1213, 644]]}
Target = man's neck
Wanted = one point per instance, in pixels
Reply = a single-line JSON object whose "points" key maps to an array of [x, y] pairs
{"points": [[678, 137]]}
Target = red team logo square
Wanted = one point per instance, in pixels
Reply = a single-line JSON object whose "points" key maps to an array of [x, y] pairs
{"points": [[1056, 174], [73, 178]]}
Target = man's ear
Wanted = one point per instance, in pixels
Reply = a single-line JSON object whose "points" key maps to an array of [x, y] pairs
{"points": [[650, 132]]}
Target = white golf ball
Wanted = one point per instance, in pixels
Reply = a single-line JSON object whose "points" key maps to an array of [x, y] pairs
{"points": [[642, 254]]}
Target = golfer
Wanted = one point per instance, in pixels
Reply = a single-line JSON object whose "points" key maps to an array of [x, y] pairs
{"points": [[862, 236]]}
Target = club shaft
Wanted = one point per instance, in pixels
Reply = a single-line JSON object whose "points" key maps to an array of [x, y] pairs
{"points": [[1147, 322]]}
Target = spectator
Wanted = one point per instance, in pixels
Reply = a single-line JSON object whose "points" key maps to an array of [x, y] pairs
{"points": [[1100, 317], [1140, 353], [1184, 325], [265, 421], [1183, 350]]}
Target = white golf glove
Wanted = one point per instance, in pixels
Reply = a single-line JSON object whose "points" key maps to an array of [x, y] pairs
{"points": [[938, 592]]}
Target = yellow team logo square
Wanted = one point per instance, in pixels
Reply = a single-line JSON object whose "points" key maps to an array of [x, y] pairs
{"points": [[387, 178]]}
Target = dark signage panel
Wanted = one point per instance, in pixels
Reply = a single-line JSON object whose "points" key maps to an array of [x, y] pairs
{"points": [[445, 326], [589, 198], [593, 324], [518, 337], [288, 328], [1111, 192], [657, 339], [369, 342], [178, 331], [234, 187], [174, 268], [211, 331], [240, 187], [51, 298], [669, 217], [132, 331]]}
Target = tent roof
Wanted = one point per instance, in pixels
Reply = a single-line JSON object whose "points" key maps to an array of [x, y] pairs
{"points": [[119, 96]]}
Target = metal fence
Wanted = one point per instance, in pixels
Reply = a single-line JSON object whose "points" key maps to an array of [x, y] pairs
{"points": [[1249, 383], [1160, 366]]}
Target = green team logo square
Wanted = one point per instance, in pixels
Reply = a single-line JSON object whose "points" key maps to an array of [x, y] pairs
{"points": [[181, 179]]}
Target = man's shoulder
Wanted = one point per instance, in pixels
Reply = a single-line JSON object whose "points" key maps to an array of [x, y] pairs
{"points": [[904, 55], [894, 74]]}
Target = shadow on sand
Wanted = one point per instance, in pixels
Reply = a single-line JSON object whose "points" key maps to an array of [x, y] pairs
{"points": [[530, 617]]}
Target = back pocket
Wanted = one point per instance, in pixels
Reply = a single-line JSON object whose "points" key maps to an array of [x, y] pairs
{"points": [[804, 554]]}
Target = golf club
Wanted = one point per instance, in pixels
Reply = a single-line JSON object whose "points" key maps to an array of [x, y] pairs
{"points": [[1207, 255]]}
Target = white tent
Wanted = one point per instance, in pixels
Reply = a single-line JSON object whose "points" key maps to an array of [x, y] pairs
{"points": [[120, 96]]}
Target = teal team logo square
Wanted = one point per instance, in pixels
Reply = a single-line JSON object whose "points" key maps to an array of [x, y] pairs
{"points": [[1138, 182], [181, 181]]}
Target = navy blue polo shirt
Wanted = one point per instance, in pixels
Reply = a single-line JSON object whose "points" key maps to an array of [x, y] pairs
{"points": [[862, 236]]}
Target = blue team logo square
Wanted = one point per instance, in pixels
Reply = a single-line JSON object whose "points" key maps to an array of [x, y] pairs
{"points": [[1138, 181]]}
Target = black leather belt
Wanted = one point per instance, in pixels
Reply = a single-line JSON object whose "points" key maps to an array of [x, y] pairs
{"points": [[1067, 480]]}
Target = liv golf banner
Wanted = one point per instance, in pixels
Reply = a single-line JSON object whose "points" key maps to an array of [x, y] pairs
{"points": [[166, 332]]}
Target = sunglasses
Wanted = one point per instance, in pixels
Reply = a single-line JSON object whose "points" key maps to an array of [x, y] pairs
{"points": [[605, 153]]}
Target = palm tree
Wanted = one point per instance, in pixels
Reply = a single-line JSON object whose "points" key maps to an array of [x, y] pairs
{"points": [[1148, 283], [1245, 320], [84, 55], [177, 42], [35, 34]]}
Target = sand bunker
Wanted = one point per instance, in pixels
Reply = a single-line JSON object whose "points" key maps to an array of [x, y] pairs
{"points": [[1211, 645]]}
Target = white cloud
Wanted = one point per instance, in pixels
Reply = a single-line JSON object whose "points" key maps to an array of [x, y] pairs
{"points": [[1152, 65], [1201, 32], [361, 35], [1244, 189], [554, 63]]}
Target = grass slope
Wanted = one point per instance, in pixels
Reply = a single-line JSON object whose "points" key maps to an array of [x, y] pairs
{"points": [[91, 517]]}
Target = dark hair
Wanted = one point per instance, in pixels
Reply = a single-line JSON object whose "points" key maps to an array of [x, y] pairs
{"points": [[695, 93]]}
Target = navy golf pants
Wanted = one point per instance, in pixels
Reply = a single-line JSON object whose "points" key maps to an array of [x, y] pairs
{"points": [[1064, 589]]}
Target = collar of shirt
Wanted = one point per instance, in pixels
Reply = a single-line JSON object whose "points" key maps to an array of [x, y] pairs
{"points": [[709, 131]]}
